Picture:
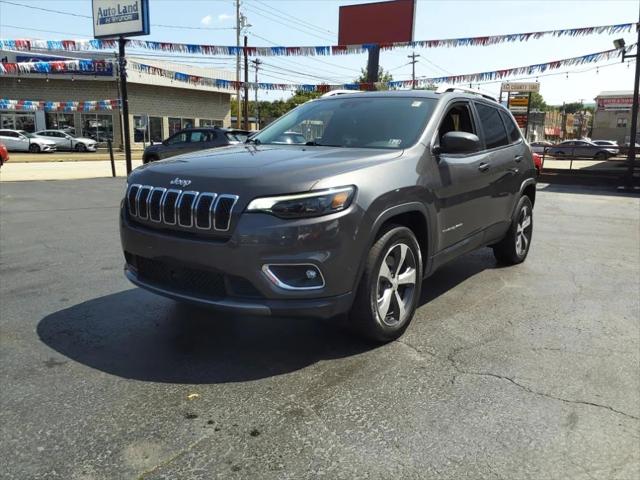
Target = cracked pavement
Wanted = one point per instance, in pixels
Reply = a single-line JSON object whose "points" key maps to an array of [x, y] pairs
{"points": [[527, 372]]}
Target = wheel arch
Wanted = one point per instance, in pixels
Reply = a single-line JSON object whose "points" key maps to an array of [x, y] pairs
{"points": [[413, 215]]}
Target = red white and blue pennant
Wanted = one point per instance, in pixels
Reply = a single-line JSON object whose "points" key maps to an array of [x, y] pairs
{"points": [[84, 45], [63, 106]]}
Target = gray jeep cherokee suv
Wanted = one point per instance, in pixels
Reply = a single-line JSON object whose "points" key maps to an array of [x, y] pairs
{"points": [[387, 187]]}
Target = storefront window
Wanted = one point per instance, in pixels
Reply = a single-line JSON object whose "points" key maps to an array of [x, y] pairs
{"points": [[175, 125], [7, 120], [18, 121], [140, 132], [188, 123], [205, 122], [156, 129], [60, 121], [97, 127]]}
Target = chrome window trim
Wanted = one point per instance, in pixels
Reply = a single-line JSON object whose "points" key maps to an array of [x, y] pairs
{"points": [[162, 204], [211, 210], [215, 209], [135, 202], [179, 204], [163, 190], [148, 188], [279, 283]]}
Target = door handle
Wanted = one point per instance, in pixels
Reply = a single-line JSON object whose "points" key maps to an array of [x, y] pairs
{"points": [[518, 158], [483, 167]]}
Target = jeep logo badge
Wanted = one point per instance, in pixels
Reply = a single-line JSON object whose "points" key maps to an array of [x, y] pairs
{"points": [[181, 182]]}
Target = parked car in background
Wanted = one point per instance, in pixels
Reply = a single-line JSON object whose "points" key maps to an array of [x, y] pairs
{"points": [[66, 141], [537, 161], [539, 147], [607, 143], [4, 154], [21, 141], [189, 140], [582, 148], [624, 149]]}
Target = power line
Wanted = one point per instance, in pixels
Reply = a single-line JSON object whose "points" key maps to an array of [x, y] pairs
{"points": [[46, 9], [269, 16], [295, 19], [45, 31]]}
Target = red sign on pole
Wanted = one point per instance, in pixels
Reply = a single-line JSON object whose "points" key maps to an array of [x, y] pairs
{"points": [[379, 22]]}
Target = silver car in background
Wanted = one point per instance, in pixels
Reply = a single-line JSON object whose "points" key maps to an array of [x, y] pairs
{"points": [[66, 141], [21, 141]]}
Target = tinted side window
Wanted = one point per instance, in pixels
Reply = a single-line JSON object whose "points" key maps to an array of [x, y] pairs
{"points": [[199, 136], [512, 129], [495, 134], [178, 138], [457, 119], [6, 133]]}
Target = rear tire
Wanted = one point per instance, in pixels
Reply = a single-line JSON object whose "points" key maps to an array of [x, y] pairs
{"points": [[514, 247], [34, 148], [389, 289]]}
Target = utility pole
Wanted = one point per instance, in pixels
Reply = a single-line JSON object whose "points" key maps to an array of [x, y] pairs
{"points": [[256, 64], [122, 64], [634, 117], [238, 20], [413, 57], [373, 64], [246, 86]]}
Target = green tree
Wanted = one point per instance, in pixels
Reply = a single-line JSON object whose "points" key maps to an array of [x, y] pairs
{"points": [[538, 103], [383, 76]]}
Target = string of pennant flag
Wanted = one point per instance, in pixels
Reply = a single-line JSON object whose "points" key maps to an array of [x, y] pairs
{"points": [[111, 44], [72, 66], [64, 106]]}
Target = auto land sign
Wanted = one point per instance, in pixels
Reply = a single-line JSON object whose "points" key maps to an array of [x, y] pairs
{"points": [[120, 18]]}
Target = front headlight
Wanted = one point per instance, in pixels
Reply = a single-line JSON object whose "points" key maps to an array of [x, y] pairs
{"points": [[310, 204]]}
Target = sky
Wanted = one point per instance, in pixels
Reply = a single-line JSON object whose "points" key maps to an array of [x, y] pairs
{"points": [[315, 22]]}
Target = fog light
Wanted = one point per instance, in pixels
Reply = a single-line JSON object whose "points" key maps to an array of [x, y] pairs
{"points": [[294, 276]]}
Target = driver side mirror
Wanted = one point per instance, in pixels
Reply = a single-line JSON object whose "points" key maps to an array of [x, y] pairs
{"points": [[459, 142]]}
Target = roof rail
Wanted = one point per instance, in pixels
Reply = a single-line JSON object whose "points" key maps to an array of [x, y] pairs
{"points": [[473, 91]]}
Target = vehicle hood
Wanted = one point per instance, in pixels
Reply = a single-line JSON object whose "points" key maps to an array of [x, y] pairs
{"points": [[84, 140], [258, 170]]}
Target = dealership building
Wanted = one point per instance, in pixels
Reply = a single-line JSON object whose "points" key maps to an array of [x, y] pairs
{"points": [[612, 119], [158, 106]]}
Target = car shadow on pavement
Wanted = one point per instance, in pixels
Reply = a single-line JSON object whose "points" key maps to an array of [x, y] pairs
{"points": [[135, 334]]}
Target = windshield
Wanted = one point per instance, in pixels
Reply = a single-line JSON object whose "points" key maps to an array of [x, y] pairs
{"points": [[364, 122]]}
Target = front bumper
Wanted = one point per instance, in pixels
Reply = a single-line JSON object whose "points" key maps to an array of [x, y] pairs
{"points": [[330, 243]]}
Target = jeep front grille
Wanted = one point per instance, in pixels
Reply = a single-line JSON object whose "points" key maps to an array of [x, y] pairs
{"points": [[185, 209]]}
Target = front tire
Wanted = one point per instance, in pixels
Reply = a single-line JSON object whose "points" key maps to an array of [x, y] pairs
{"points": [[389, 290], [514, 247], [81, 147], [34, 148]]}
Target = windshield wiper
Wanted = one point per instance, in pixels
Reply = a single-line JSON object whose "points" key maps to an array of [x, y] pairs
{"points": [[255, 141], [313, 143]]}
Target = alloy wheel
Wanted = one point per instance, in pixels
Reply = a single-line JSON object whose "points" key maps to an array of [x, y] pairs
{"points": [[523, 231], [396, 285]]}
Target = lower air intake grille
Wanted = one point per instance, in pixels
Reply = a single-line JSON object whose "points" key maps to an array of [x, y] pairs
{"points": [[175, 278]]}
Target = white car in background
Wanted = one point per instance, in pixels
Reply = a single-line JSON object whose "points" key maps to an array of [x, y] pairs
{"points": [[21, 141], [66, 141]]}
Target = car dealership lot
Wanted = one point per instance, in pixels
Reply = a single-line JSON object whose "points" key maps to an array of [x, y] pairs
{"points": [[520, 372]]}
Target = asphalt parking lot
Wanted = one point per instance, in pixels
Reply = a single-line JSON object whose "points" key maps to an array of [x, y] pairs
{"points": [[506, 373]]}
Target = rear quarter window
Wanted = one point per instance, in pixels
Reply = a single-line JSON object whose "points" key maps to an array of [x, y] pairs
{"points": [[495, 134], [513, 131]]}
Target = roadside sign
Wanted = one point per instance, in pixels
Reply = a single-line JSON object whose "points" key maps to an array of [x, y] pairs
{"points": [[520, 87], [521, 120], [519, 101], [120, 18], [518, 109]]}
